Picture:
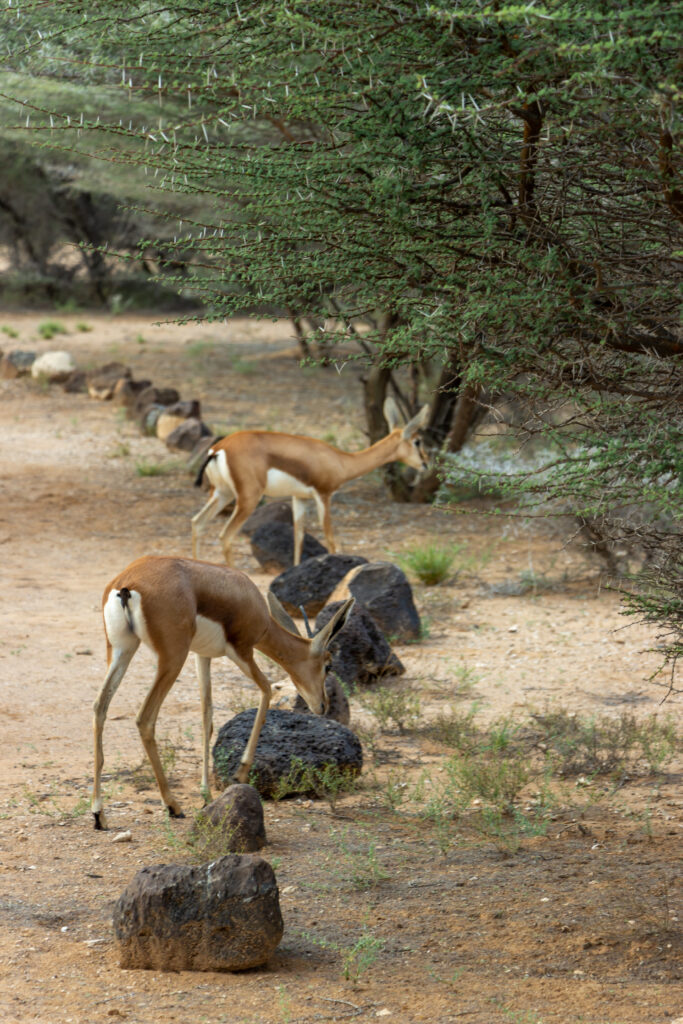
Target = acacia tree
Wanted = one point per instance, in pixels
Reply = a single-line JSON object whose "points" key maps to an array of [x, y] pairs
{"points": [[494, 189]]}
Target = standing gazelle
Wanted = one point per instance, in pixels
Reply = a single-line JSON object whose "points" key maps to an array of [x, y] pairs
{"points": [[177, 605], [250, 463]]}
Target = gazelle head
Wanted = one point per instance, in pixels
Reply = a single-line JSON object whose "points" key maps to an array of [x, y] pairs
{"points": [[308, 675], [411, 450]]}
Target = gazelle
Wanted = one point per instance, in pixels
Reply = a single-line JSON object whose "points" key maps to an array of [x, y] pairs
{"points": [[177, 605], [250, 463]]}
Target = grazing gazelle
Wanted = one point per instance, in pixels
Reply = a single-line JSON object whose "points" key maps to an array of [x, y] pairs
{"points": [[177, 605], [250, 463]]}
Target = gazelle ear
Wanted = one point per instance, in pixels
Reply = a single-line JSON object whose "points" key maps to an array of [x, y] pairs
{"points": [[321, 640], [418, 422], [280, 615], [392, 413]]}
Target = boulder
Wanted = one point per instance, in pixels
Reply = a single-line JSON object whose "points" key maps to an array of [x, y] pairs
{"points": [[272, 545], [102, 382], [186, 436], [311, 583], [288, 743], [127, 390], [148, 422], [174, 415], [384, 591], [76, 383], [234, 819], [55, 367], [360, 652], [270, 512], [338, 708], [16, 364], [153, 396], [221, 916]]}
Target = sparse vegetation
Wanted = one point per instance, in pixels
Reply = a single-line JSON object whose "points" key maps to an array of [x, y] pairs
{"points": [[430, 563], [49, 328]]}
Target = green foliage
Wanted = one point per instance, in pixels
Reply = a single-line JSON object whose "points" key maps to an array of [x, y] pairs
{"points": [[393, 708], [328, 782], [431, 563], [9, 331], [49, 328], [495, 188], [357, 959], [578, 745], [146, 468]]}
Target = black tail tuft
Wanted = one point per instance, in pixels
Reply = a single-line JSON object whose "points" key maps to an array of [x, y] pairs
{"points": [[200, 474], [124, 596]]}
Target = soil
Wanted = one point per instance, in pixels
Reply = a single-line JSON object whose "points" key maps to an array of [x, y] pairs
{"points": [[578, 923]]}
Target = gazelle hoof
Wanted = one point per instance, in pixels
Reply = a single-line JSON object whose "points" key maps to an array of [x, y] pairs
{"points": [[100, 823], [172, 813]]}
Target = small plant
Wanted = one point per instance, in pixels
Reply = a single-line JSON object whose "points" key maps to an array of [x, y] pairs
{"points": [[431, 563], [328, 782], [9, 331], [362, 955], [360, 864], [399, 709], [48, 328], [83, 327], [140, 339], [455, 729], [145, 468], [243, 366], [121, 451]]}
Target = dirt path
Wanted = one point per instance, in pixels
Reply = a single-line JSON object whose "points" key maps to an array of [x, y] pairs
{"points": [[578, 925]]}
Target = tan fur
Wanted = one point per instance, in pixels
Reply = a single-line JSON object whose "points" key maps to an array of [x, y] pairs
{"points": [[170, 597]]}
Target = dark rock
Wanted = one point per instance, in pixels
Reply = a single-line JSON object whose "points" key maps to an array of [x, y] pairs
{"points": [[75, 383], [154, 396], [269, 512], [339, 708], [384, 591], [186, 435], [360, 652], [127, 390], [148, 422], [311, 583], [238, 816], [272, 545], [16, 364], [222, 916], [102, 382], [288, 742]]}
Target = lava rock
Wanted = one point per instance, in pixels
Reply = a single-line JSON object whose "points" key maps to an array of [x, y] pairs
{"points": [[269, 512], [338, 709], [103, 381], [384, 591], [221, 916], [360, 652], [311, 583], [272, 545], [185, 437], [238, 815], [16, 364], [288, 742]]}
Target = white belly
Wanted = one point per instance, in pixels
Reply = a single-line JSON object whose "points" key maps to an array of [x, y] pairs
{"points": [[282, 485], [209, 639]]}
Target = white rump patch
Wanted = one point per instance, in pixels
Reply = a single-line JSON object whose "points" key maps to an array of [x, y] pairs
{"points": [[218, 474], [283, 485], [116, 621]]}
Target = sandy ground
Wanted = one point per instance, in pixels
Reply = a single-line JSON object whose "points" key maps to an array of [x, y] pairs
{"points": [[578, 925]]}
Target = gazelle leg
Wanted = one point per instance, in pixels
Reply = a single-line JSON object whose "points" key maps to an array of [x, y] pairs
{"points": [[322, 502], [241, 513], [118, 660], [298, 512], [168, 670], [203, 666], [253, 672], [214, 505]]}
